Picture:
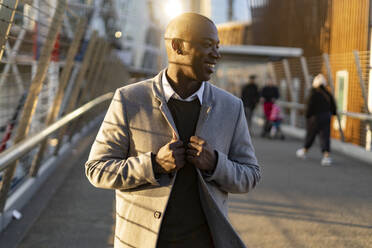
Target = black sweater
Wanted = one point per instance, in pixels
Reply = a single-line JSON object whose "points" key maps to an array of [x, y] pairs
{"points": [[184, 214], [320, 101]]}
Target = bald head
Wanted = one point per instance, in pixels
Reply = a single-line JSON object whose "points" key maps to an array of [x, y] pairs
{"points": [[186, 26], [192, 47]]}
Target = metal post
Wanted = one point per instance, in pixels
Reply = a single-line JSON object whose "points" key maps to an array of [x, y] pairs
{"points": [[70, 86], [364, 91], [11, 55], [273, 74], [93, 70], [288, 79], [330, 81], [100, 71], [7, 11], [361, 80], [100, 88], [52, 115], [90, 87], [369, 132], [32, 97], [100, 77], [305, 71], [79, 81]]}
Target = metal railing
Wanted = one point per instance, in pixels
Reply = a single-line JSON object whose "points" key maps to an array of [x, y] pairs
{"points": [[299, 106], [348, 77], [47, 72], [295, 107], [17, 151]]}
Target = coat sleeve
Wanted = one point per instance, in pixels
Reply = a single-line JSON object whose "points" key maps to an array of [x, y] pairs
{"points": [[108, 165], [237, 172]]}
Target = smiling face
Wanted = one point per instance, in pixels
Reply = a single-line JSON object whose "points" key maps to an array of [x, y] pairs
{"points": [[202, 52], [194, 47]]}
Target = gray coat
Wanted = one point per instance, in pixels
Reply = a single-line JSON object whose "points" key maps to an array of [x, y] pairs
{"points": [[138, 123]]}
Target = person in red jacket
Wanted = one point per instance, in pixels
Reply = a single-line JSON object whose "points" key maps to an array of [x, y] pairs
{"points": [[269, 94]]}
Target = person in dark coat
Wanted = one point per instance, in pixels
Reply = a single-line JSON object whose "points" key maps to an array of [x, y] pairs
{"points": [[250, 98], [319, 109], [269, 93]]}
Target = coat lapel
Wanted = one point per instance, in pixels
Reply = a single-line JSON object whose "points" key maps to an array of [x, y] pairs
{"points": [[205, 110], [158, 92]]}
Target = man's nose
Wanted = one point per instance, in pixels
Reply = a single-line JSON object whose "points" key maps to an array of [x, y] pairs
{"points": [[216, 54]]}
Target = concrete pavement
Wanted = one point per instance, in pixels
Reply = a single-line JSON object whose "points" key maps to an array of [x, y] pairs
{"points": [[298, 203]]}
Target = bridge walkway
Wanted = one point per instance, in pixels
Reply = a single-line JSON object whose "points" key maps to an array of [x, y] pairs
{"points": [[298, 203]]}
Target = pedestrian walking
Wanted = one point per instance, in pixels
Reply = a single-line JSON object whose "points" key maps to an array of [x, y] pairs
{"points": [[250, 97], [269, 94], [319, 109], [173, 147]]}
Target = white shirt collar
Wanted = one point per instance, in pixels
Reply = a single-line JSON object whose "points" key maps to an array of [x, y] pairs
{"points": [[169, 92]]}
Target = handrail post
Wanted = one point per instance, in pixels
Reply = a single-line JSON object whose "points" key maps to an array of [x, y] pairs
{"points": [[288, 79], [100, 71], [361, 80], [11, 55], [305, 71], [92, 88], [330, 81], [364, 92], [273, 74], [32, 97], [7, 11], [87, 89], [76, 88], [94, 70], [52, 115]]}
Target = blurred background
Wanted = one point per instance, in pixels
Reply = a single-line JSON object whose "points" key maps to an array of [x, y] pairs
{"points": [[290, 41], [56, 56]]}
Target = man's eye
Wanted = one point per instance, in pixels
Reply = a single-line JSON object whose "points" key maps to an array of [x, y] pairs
{"points": [[207, 45]]}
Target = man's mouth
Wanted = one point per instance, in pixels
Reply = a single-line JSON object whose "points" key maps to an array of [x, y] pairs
{"points": [[210, 65]]}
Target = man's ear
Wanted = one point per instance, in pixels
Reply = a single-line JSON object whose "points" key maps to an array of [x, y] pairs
{"points": [[177, 46]]}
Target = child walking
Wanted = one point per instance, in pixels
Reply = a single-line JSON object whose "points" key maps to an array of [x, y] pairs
{"points": [[276, 118]]}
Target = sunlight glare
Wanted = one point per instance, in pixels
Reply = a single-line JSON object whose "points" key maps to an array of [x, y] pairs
{"points": [[173, 8], [118, 34]]}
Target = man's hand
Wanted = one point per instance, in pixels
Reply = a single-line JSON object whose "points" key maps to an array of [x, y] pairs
{"points": [[201, 154], [171, 157]]}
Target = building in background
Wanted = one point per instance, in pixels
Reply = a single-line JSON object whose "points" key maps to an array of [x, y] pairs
{"points": [[334, 27], [221, 11], [142, 23], [141, 31], [303, 23]]}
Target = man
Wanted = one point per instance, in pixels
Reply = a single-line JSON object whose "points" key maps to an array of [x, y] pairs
{"points": [[250, 98], [173, 147], [269, 93]]}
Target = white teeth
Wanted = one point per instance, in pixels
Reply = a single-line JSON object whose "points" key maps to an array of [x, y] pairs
{"points": [[211, 65]]}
